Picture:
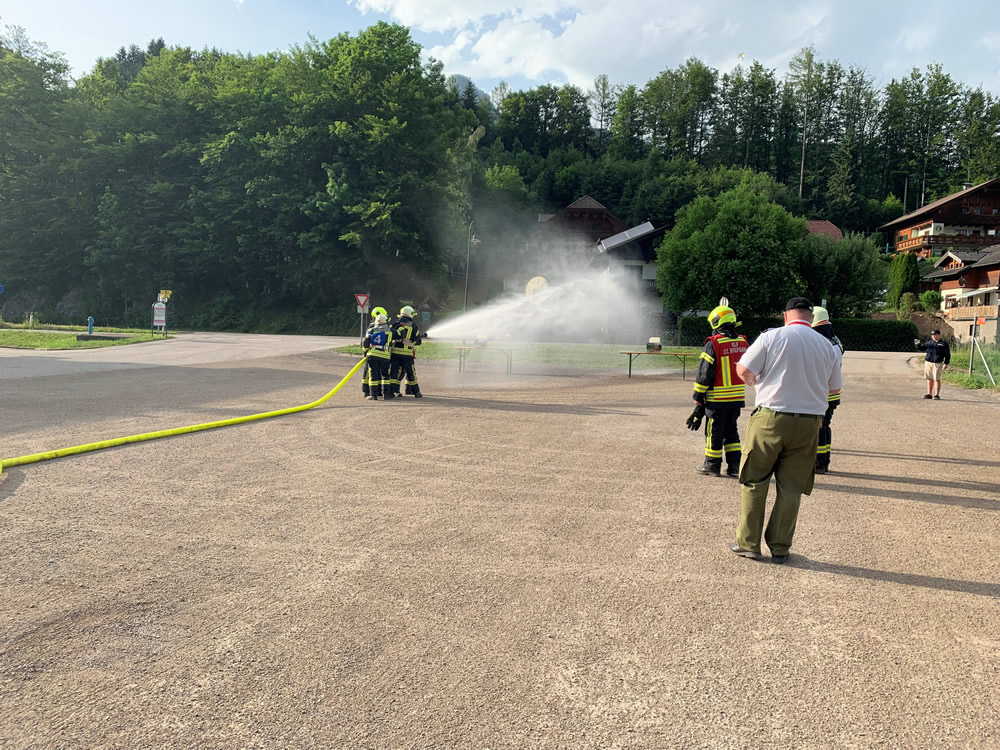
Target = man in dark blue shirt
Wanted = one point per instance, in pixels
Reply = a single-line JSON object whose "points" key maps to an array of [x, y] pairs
{"points": [[937, 360]]}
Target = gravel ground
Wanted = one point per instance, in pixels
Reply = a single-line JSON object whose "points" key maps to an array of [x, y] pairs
{"points": [[523, 561]]}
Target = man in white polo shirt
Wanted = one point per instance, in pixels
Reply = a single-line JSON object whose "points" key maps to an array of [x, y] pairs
{"points": [[795, 371]]}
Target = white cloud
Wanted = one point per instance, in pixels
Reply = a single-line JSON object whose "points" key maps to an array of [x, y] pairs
{"points": [[576, 40]]}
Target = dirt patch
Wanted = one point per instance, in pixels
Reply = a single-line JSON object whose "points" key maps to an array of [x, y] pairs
{"points": [[512, 561]]}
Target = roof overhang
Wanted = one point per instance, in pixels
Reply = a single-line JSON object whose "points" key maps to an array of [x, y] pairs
{"points": [[931, 207], [974, 292]]}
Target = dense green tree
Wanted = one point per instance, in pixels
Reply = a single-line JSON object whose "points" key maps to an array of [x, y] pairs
{"points": [[904, 277], [627, 134], [848, 273], [738, 245]]}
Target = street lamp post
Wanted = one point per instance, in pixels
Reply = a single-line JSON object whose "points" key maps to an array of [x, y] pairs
{"points": [[473, 240]]}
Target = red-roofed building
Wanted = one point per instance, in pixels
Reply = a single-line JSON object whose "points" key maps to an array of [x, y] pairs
{"points": [[825, 228]]}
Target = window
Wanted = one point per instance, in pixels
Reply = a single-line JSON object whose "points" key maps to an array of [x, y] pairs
{"points": [[977, 211], [965, 209], [996, 211]]}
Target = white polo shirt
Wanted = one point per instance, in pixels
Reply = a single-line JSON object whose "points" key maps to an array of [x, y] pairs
{"points": [[796, 368]]}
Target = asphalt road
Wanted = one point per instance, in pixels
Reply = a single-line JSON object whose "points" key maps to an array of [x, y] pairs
{"points": [[512, 561]]}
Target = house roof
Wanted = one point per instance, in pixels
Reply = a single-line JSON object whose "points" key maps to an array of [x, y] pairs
{"points": [[944, 273], [991, 258], [587, 202], [931, 207], [965, 256], [825, 228], [624, 237]]}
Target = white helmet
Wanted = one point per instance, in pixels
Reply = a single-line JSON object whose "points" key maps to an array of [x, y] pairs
{"points": [[820, 316], [407, 311], [381, 319]]}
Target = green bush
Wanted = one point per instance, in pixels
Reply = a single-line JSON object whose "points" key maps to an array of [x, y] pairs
{"points": [[867, 335], [859, 334], [931, 300], [907, 304], [693, 330]]}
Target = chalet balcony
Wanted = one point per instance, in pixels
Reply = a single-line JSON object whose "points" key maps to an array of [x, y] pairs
{"points": [[969, 312], [948, 240]]}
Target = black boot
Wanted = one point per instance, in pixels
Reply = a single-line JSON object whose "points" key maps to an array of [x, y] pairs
{"points": [[416, 392], [710, 470]]}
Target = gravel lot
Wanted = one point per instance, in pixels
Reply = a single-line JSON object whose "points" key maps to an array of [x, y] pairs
{"points": [[523, 561]]}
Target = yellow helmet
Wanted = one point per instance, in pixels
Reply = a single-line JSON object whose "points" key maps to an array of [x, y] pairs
{"points": [[407, 311], [721, 315], [376, 311]]}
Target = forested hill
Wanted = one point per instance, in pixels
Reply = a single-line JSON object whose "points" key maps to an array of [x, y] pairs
{"points": [[265, 189]]}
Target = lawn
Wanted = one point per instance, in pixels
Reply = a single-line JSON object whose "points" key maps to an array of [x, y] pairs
{"points": [[573, 355], [958, 371], [27, 339], [80, 329]]}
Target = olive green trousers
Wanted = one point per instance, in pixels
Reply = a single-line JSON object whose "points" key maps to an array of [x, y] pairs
{"points": [[784, 445]]}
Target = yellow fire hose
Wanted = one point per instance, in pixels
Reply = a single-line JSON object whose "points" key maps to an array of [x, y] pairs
{"points": [[35, 457]]}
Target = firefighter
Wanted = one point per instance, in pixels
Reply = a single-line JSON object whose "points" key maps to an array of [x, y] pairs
{"points": [[406, 335], [821, 324], [719, 393], [364, 373], [378, 344]]}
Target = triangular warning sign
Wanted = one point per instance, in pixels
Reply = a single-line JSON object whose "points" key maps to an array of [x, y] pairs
{"points": [[362, 299]]}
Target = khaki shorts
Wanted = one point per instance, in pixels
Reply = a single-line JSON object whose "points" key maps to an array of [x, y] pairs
{"points": [[932, 370]]}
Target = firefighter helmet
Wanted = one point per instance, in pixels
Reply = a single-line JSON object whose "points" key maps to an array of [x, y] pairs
{"points": [[821, 316], [381, 319], [376, 311], [407, 311], [721, 315]]}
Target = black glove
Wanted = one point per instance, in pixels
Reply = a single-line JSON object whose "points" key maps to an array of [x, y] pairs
{"points": [[694, 421]]}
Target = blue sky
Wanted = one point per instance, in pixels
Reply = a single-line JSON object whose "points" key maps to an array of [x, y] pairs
{"points": [[550, 40]]}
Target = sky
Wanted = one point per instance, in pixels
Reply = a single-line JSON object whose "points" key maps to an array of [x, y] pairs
{"points": [[551, 41]]}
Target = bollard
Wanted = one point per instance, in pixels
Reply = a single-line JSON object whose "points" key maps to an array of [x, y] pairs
{"points": [[90, 324]]}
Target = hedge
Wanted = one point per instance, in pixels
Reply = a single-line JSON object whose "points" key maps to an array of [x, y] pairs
{"points": [[857, 334]]}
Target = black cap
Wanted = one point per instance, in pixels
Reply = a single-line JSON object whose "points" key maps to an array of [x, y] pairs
{"points": [[798, 303], [935, 331]]}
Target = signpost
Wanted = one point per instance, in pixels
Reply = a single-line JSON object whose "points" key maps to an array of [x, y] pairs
{"points": [[980, 321], [160, 317], [362, 299]]}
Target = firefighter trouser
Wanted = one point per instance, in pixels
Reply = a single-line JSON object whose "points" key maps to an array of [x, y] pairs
{"points": [[378, 376], [825, 439], [722, 437], [402, 366], [782, 444], [364, 379]]}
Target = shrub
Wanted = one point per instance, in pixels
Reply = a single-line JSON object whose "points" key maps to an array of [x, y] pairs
{"points": [[907, 304], [931, 300], [859, 334]]}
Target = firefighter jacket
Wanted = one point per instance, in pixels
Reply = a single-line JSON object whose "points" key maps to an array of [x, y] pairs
{"points": [[378, 341], [405, 336], [717, 385]]}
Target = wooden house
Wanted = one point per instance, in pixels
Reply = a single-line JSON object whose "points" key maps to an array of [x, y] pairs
{"points": [[966, 220]]}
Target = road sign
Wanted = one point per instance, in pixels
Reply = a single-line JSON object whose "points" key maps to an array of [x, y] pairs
{"points": [[363, 309], [362, 300], [981, 321], [159, 315]]}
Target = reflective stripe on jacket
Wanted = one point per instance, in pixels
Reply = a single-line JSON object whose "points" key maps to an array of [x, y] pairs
{"points": [[717, 382]]}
